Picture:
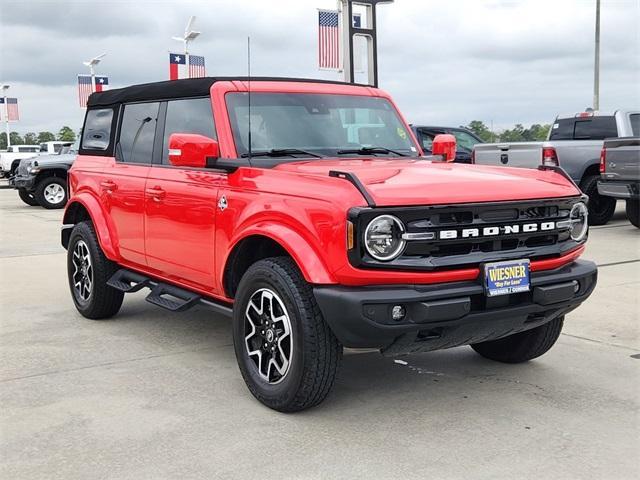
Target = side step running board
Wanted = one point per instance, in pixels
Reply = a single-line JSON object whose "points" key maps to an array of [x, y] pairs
{"points": [[162, 294], [127, 281], [172, 298]]}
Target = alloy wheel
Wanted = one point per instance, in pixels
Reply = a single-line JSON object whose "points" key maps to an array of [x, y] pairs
{"points": [[268, 337], [83, 271], [54, 193]]}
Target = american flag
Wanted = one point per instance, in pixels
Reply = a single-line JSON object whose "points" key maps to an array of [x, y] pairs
{"points": [[328, 40], [10, 109], [84, 89], [196, 66], [178, 66]]}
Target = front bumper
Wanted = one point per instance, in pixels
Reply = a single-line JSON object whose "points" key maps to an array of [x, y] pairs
{"points": [[26, 182], [451, 314], [619, 189]]}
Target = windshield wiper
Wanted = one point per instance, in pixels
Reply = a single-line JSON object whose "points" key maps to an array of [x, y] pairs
{"points": [[281, 152], [369, 151]]}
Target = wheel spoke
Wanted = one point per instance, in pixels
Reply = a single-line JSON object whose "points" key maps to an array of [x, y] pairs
{"points": [[83, 271], [267, 331]]}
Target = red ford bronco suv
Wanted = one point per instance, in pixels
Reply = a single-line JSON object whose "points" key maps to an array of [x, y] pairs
{"points": [[305, 210]]}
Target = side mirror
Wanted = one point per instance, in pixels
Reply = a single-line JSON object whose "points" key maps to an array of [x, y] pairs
{"points": [[444, 144], [191, 150]]}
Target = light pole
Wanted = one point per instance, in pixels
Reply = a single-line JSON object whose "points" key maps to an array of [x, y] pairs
{"points": [[6, 113], [596, 65], [189, 36], [367, 30], [91, 64]]}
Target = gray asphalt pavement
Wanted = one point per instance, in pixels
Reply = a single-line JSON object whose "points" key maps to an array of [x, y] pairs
{"points": [[155, 395]]}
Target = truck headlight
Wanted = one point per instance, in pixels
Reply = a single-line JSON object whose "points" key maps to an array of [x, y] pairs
{"points": [[383, 237], [34, 170], [578, 223], [579, 217]]}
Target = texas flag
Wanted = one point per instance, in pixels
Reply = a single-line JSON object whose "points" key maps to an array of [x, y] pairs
{"points": [[178, 66], [102, 84]]}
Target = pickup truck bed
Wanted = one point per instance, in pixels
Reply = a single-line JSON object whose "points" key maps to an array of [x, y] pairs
{"points": [[620, 173], [574, 143]]}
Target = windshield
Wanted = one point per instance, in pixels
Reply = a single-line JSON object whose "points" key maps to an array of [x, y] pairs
{"points": [[70, 148], [317, 123], [464, 140]]}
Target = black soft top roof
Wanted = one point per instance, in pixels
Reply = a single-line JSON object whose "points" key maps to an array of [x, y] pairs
{"points": [[188, 87]]}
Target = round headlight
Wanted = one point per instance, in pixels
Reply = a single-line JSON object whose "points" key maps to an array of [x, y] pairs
{"points": [[383, 237], [579, 221]]}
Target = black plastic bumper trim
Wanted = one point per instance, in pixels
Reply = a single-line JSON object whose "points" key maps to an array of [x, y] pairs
{"points": [[443, 315]]}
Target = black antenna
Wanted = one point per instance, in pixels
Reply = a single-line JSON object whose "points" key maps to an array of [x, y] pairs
{"points": [[249, 91]]}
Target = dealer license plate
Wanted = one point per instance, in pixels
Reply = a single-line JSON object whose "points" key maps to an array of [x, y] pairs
{"points": [[503, 278]]}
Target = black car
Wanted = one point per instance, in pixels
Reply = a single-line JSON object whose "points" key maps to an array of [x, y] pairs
{"points": [[465, 140]]}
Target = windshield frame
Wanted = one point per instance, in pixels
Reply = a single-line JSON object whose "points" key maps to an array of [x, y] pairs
{"points": [[412, 149]]}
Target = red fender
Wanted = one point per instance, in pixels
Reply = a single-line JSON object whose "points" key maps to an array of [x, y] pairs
{"points": [[308, 261], [102, 223]]}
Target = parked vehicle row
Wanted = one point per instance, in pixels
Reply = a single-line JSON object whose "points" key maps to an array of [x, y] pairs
{"points": [[305, 211], [620, 174], [574, 143], [10, 159], [42, 180]]}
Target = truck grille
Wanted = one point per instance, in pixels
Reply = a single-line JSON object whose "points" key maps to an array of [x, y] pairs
{"points": [[467, 235], [23, 168]]}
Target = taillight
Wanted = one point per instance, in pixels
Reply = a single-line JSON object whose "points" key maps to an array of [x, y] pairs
{"points": [[473, 156], [603, 160], [549, 156]]}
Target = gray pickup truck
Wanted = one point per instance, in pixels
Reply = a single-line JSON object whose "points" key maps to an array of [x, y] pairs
{"points": [[574, 143], [43, 180], [620, 174]]}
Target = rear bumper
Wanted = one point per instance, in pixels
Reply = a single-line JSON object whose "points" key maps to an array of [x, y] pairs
{"points": [[619, 189], [451, 314]]}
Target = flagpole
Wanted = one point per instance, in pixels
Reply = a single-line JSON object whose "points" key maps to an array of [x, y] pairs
{"points": [[93, 78], [92, 63], [189, 35], [6, 113]]}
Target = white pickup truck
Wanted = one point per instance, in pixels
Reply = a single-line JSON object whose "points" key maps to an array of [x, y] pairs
{"points": [[10, 159], [574, 143]]}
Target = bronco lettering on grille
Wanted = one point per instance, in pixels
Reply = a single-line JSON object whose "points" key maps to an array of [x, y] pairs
{"points": [[494, 231]]}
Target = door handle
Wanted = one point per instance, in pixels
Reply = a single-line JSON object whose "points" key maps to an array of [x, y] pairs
{"points": [[108, 186], [156, 193]]}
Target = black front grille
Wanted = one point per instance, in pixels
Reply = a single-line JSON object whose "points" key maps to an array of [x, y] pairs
{"points": [[466, 220], [23, 168]]}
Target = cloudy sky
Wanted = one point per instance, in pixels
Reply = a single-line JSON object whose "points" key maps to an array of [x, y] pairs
{"points": [[445, 62]]}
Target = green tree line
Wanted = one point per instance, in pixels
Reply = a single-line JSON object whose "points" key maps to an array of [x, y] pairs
{"points": [[66, 134], [535, 133], [518, 133]]}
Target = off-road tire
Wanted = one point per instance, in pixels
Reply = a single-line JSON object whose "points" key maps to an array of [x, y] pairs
{"points": [[316, 352], [42, 198], [633, 211], [523, 346], [601, 208], [103, 301], [27, 197]]}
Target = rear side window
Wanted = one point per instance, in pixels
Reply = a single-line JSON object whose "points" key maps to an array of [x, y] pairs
{"points": [[562, 129], [634, 118], [137, 133], [591, 128], [595, 128], [96, 134], [191, 115]]}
